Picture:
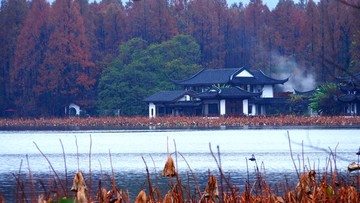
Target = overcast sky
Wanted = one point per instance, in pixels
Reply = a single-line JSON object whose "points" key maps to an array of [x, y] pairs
{"points": [[270, 3]]}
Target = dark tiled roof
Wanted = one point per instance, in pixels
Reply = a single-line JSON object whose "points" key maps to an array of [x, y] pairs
{"points": [[349, 88], [353, 80], [209, 77], [259, 79], [279, 101], [232, 92], [305, 93], [166, 96], [349, 98], [186, 104]]}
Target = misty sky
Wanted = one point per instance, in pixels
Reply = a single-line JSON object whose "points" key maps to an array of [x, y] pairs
{"points": [[270, 3]]}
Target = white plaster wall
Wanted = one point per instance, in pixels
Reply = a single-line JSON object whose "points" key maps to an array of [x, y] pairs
{"points": [[268, 91], [185, 98], [246, 107], [76, 107], [253, 110], [244, 73], [152, 110], [222, 107]]}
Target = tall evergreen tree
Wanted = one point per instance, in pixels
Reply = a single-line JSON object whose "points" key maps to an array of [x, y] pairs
{"points": [[355, 37], [66, 74], [151, 20], [256, 15], [12, 14], [30, 50], [310, 34], [208, 27]]}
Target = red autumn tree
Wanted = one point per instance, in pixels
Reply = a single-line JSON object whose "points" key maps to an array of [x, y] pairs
{"points": [[287, 21], [310, 43], [256, 18], [29, 55], [208, 27], [236, 39], [355, 37], [110, 26], [66, 74], [12, 14], [335, 39], [150, 20]]}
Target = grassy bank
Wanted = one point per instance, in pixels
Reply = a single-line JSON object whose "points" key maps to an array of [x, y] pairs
{"points": [[177, 122]]}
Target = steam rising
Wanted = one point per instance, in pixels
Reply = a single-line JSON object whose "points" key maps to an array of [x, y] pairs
{"points": [[299, 78]]}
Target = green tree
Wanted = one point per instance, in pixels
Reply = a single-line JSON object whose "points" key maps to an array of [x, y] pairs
{"points": [[298, 104], [324, 100], [141, 70]]}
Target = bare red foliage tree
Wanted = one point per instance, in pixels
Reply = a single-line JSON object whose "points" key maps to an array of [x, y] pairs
{"points": [[66, 73], [29, 55]]}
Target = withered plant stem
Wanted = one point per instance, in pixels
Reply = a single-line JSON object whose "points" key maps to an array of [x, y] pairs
{"points": [[156, 179], [18, 183], [52, 168], [90, 174], [77, 153], [221, 173], [149, 181], [32, 188], [292, 157], [303, 155], [220, 168], [176, 161], [112, 173], [192, 173], [66, 177]]}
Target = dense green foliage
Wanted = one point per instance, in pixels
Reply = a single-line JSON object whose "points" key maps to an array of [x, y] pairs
{"points": [[298, 104], [324, 101], [142, 69]]}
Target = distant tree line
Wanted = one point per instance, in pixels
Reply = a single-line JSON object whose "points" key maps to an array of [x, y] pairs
{"points": [[109, 56]]}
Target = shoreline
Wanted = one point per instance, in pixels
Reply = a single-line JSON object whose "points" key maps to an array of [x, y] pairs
{"points": [[163, 123]]}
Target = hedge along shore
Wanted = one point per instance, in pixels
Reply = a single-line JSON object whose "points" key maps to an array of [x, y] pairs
{"points": [[177, 122]]}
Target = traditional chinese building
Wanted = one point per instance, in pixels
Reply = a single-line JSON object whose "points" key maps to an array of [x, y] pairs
{"points": [[219, 92], [350, 87]]}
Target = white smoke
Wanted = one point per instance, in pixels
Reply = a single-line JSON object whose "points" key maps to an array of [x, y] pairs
{"points": [[300, 78]]}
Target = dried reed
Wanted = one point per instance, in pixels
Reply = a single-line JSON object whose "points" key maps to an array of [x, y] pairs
{"points": [[312, 186]]}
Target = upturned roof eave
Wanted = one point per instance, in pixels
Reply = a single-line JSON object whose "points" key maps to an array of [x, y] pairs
{"points": [[181, 94], [180, 82]]}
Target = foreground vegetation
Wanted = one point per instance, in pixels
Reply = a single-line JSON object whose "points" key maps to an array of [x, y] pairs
{"points": [[312, 186], [177, 122]]}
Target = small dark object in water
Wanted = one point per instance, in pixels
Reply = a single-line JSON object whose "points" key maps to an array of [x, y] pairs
{"points": [[353, 167], [252, 158], [358, 152]]}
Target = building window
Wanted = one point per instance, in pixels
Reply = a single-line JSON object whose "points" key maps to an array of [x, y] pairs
{"points": [[213, 109], [250, 109]]}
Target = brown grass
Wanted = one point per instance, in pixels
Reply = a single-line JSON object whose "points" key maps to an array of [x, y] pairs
{"points": [[178, 122]]}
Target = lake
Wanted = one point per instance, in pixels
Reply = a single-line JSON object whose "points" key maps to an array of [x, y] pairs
{"points": [[130, 148]]}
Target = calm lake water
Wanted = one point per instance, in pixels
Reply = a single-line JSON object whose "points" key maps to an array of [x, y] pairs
{"points": [[128, 148]]}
